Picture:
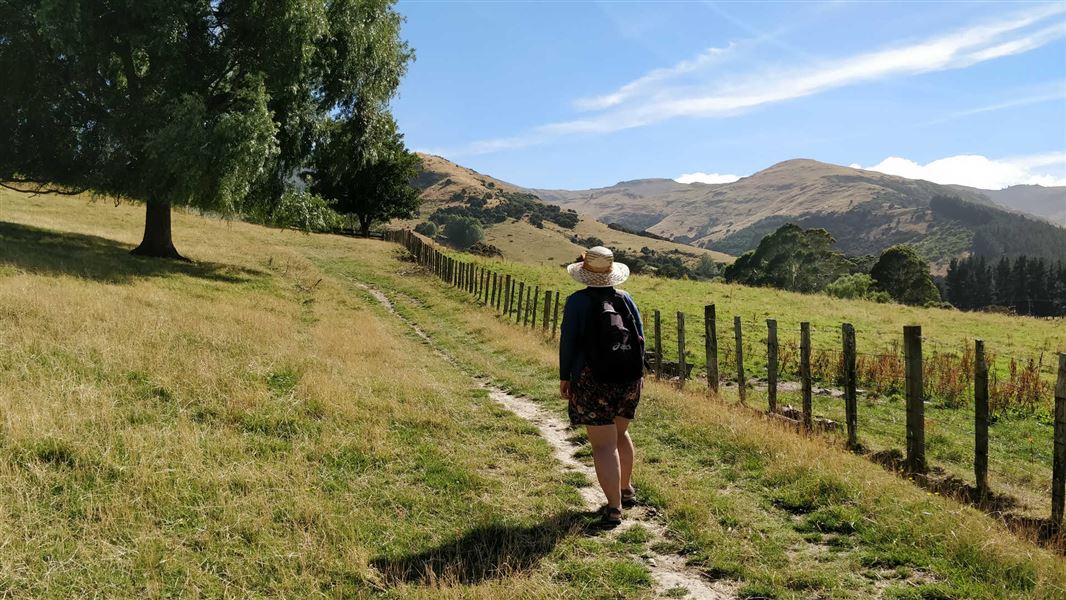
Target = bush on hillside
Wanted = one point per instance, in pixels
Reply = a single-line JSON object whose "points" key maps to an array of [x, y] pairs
{"points": [[586, 242], [706, 268], [463, 232], [515, 205], [427, 228], [857, 286]]}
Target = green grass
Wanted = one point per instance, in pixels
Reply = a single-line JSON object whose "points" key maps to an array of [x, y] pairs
{"points": [[879, 327], [232, 428], [786, 516], [1020, 443]]}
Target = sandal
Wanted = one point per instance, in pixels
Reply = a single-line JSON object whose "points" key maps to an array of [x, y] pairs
{"points": [[610, 517], [629, 497]]}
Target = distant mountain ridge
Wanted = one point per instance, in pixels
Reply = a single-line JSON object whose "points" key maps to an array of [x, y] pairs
{"points": [[866, 211], [1046, 202], [532, 238]]}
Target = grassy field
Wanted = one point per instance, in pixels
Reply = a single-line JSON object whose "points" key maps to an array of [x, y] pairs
{"points": [[879, 327], [254, 424], [1021, 444]]}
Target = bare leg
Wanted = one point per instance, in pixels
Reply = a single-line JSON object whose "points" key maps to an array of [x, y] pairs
{"points": [[625, 452], [604, 440]]}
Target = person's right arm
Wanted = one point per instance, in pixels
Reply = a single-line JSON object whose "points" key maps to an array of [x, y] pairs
{"points": [[569, 334]]}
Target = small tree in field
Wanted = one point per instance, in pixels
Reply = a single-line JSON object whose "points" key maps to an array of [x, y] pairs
{"points": [[204, 103], [364, 166]]}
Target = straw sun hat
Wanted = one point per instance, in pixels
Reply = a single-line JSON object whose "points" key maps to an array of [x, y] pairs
{"points": [[598, 269]]}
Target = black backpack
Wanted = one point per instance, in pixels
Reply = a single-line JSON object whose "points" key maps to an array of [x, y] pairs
{"points": [[614, 349]]}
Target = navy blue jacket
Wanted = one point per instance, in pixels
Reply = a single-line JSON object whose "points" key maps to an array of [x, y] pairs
{"points": [[571, 346]]}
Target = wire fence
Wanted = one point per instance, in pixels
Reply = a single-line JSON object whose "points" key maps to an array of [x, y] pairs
{"points": [[741, 347]]}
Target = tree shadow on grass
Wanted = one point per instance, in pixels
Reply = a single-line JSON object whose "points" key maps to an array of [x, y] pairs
{"points": [[44, 251], [486, 552]]}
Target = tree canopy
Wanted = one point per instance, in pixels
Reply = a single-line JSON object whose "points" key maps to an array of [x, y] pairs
{"points": [[791, 258], [204, 103], [904, 275], [363, 165]]}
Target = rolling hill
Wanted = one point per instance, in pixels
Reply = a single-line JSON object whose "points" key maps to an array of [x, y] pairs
{"points": [[1045, 202], [866, 212], [534, 238]]}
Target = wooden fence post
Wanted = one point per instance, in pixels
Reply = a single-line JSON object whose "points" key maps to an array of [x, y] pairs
{"points": [[681, 370], [555, 314], [507, 296], [492, 291], [805, 373], [532, 321], [980, 418], [710, 337], [499, 291], [771, 364], [738, 335], [547, 301], [851, 407], [1058, 470], [658, 347], [521, 292], [912, 349]]}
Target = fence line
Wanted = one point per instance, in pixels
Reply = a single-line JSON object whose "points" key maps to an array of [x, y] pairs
{"points": [[497, 291]]}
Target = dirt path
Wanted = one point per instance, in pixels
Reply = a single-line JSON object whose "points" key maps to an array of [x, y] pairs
{"points": [[673, 578]]}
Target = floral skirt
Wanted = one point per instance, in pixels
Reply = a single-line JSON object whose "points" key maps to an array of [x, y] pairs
{"points": [[597, 403]]}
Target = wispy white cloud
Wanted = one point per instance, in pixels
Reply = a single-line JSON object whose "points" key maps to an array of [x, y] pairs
{"points": [[699, 177], [641, 84], [974, 170], [1016, 102], [655, 97]]}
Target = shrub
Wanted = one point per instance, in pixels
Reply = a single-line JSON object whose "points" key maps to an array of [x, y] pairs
{"points": [[427, 228], [858, 286], [304, 211], [463, 232]]}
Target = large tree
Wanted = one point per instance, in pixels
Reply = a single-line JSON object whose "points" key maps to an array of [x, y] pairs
{"points": [[904, 275], [362, 165], [791, 258], [204, 103]]}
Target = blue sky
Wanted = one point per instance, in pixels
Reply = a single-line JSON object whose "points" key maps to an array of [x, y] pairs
{"points": [[585, 94]]}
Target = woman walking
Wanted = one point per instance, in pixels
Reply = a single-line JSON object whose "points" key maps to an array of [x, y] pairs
{"points": [[601, 368]]}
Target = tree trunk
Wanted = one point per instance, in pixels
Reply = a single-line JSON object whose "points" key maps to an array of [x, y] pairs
{"points": [[157, 241], [364, 226]]}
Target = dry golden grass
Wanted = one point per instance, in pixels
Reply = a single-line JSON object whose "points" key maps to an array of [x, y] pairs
{"points": [[246, 426], [253, 424]]}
